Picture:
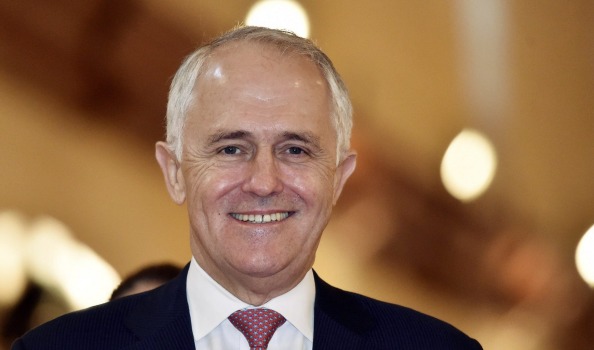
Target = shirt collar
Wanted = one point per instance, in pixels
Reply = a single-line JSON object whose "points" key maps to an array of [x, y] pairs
{"points": [[210, 303]]}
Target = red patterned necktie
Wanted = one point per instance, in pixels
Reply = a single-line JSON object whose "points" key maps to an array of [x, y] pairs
{"points": [[257, 325]]}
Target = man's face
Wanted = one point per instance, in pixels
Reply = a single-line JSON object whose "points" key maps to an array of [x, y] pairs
{"points": [[258, 169]]}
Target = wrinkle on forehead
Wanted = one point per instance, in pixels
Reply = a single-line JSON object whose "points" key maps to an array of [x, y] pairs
{"points": [[232, 59], [319, 82], [222, 74], [259, 79]]}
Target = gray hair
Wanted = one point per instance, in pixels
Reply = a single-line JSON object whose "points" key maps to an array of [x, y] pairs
{"points": [[181, 94]]}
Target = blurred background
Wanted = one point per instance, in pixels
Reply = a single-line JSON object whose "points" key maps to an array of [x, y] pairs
{"points": [[474, 124]]}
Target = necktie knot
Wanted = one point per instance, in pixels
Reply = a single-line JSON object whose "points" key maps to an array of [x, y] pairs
{"points": [[257, 325]]}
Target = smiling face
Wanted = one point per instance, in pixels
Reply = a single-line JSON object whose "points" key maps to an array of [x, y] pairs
{"points": [[258, 169]]}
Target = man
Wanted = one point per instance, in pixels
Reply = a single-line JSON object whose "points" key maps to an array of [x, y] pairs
{"points": [[258, 129]]}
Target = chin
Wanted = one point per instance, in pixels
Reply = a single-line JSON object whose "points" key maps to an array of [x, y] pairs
{"points": [[261, 267]]}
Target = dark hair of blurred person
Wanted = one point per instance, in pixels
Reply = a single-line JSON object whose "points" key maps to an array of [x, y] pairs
{"points": [[146, 278], [18, 318]]}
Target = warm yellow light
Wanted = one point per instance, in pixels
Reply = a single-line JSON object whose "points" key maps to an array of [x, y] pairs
{"points": [[13, 278], [279, 14], [584, 257], [469, 165], [48, 244], [89, 280], [60, 263]]}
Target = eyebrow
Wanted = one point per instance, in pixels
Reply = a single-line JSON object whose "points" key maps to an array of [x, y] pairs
{"points": [[305, 137], [228, 135]]}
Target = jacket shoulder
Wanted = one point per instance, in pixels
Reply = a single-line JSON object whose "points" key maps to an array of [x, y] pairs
{"points": [[415, 329], [93, 328], [384, 325], [117, 324]]}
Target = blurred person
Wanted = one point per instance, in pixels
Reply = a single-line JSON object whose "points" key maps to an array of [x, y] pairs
{"points": [[147, 278], [20, 317], [258, 149]]}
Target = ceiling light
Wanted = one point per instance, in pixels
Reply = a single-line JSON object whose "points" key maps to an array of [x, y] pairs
{"points": [[279, 14], [584, 257], [60, 263], [468, 166]]}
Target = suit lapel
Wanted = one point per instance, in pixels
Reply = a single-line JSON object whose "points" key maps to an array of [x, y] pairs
{"points": [[339, 319], [162, 319]]}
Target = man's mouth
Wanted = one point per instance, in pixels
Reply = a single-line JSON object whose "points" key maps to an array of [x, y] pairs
{"points": [[261, 218]]}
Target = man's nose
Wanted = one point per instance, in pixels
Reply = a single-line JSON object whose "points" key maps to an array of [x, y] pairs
{"points": [[263, 175]]}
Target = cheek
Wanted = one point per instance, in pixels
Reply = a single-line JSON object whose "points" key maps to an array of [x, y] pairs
{"points": [[209, 183], [313, 187]]}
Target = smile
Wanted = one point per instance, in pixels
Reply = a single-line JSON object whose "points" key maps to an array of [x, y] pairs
{"points": [[259, 219]]}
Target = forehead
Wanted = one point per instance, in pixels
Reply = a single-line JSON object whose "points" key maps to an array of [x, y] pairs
{"points": [[259, 77], [260, 64]]}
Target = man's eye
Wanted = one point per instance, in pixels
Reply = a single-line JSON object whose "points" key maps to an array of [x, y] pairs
{"points": [[296, 150], [231, 150]]}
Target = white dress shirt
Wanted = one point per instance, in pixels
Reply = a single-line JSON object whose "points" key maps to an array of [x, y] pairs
{"points": [[210, 304]]}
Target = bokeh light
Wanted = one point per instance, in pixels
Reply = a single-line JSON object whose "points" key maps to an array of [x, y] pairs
{"points": [[468, 166], [584, 257], [279, 14], [58, 262], [12, 270]]}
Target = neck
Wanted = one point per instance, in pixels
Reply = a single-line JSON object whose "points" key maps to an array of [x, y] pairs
{"points": [[253, 290]]}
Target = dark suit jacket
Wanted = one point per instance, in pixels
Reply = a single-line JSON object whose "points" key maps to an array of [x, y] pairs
{"points": [[160, 319]]}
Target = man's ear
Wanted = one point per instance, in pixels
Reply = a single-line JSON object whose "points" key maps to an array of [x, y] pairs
{"points": [[174, 179], [343, 172]]}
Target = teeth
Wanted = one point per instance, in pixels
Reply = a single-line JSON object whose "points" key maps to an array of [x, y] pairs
{"points": [[258, 219]]}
